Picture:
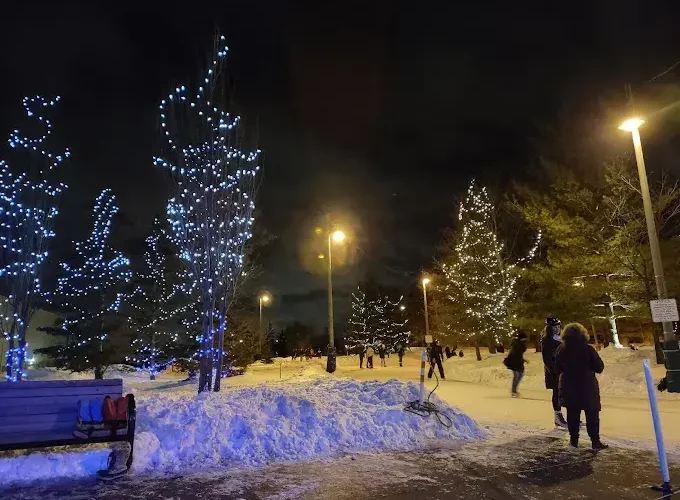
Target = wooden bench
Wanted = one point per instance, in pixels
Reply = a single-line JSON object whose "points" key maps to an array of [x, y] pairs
{"points": [[44, 414]]}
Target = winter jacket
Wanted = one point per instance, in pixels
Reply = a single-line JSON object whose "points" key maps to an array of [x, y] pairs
{"points": [[435, 352], [515, 359], [577, 362], [549, 349], [370, 352]]}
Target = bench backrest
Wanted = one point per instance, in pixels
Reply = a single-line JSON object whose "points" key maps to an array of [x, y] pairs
{"points": [[48, 407]]}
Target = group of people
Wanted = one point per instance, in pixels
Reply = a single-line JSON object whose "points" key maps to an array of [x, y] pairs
{"points": [[369, 351], [570, 366]]}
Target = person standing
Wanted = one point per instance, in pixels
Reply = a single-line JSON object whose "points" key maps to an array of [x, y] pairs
{"points": [[436, 358], [400, 352], [362, 352], [577, 362], [515, 360], [382, 352], [549, 344], [370, 352]]}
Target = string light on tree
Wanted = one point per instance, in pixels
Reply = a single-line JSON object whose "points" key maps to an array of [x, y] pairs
{"points": [[479, 279], [89, 295], [28, 206], [156, 300], [211, 215]]}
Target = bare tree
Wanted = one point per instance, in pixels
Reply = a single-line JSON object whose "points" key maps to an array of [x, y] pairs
{"points": [[211, 215], [28, 207]]}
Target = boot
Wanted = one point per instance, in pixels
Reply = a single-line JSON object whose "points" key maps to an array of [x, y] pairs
{"points": [[599, 445], [117, 464], [573, 441], [560, 421]]}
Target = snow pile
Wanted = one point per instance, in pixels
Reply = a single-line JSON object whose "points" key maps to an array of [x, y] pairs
{"points": [[622, 376], [261, 425]]}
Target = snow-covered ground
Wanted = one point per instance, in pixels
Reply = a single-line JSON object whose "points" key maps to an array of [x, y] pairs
{"points": [[258, 425], [622, 377], [293, 410]]}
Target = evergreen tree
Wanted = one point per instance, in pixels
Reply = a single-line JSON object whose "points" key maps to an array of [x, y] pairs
{"points": [[28, 206], [357, 337], [211, 216], [156, 302], [89, 296], [479, 279]]}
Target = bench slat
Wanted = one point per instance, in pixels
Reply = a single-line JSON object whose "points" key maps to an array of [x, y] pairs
{"points": [[42, 384], [38, 419], [58, 391], [55, 401], [47, 426], [69, 408]]}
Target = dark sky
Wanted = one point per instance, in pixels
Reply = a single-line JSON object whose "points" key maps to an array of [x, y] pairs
{"points": [[379, 111]]}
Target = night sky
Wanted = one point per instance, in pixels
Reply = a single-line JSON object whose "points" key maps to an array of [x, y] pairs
{"points": [[378, 111]]}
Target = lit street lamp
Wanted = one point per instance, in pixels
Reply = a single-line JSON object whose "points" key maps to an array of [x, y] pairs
{"points": [[338, 237], [427, 324], [671, 351], [264, 300]]}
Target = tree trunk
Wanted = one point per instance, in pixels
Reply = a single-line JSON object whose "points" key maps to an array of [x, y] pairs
{"points": [[539, 346], [479, 354], [612, 326], [206, 363], [152, 376], [597, 341], [98, 372], [220, 355]]}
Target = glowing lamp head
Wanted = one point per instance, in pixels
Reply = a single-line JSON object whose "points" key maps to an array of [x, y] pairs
{"points": [[426, 281], [265, 298], [322, 256], [338, 236], [402, 308], [631, 124], [318, 230]]}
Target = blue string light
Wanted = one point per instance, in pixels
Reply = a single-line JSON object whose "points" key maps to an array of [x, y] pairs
{"points": [[211, 215], [28, 207]]}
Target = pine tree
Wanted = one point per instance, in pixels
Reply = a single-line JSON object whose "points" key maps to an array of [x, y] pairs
{"points": [[211, 216], [89, 296], [28, 207], [156, 302], [396, 331], [479, 280], [357, 337]]}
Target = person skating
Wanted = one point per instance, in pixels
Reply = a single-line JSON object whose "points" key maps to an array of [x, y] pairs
{"points": [[577, 362], [401, 350], [382, 352], [515, 360], [549, 344], [436, 358], [370, 352], [362, 353]]}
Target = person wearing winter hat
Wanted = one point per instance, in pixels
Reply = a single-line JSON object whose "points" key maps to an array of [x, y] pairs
{"points": [[549, 344], [577, 362], [515, 360]]}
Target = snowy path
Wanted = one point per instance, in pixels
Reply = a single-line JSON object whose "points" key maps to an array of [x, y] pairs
{"points": [[520, 467]]}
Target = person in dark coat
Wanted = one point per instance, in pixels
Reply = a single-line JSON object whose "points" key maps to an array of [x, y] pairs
{"points": [[401, 350], [362, 353], [549, 343], [447, 351], [436, 359], [382, 351], [577, 362], [515, 360]]}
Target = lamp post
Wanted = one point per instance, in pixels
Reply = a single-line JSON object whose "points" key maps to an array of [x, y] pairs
{"points": [[671, 351], [338, 237], [427, 323], [264, 300]]}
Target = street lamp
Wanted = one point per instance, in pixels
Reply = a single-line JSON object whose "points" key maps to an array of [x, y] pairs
{"points": [[337, 236], [427, 324], [671, 351], [264, 300]]}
